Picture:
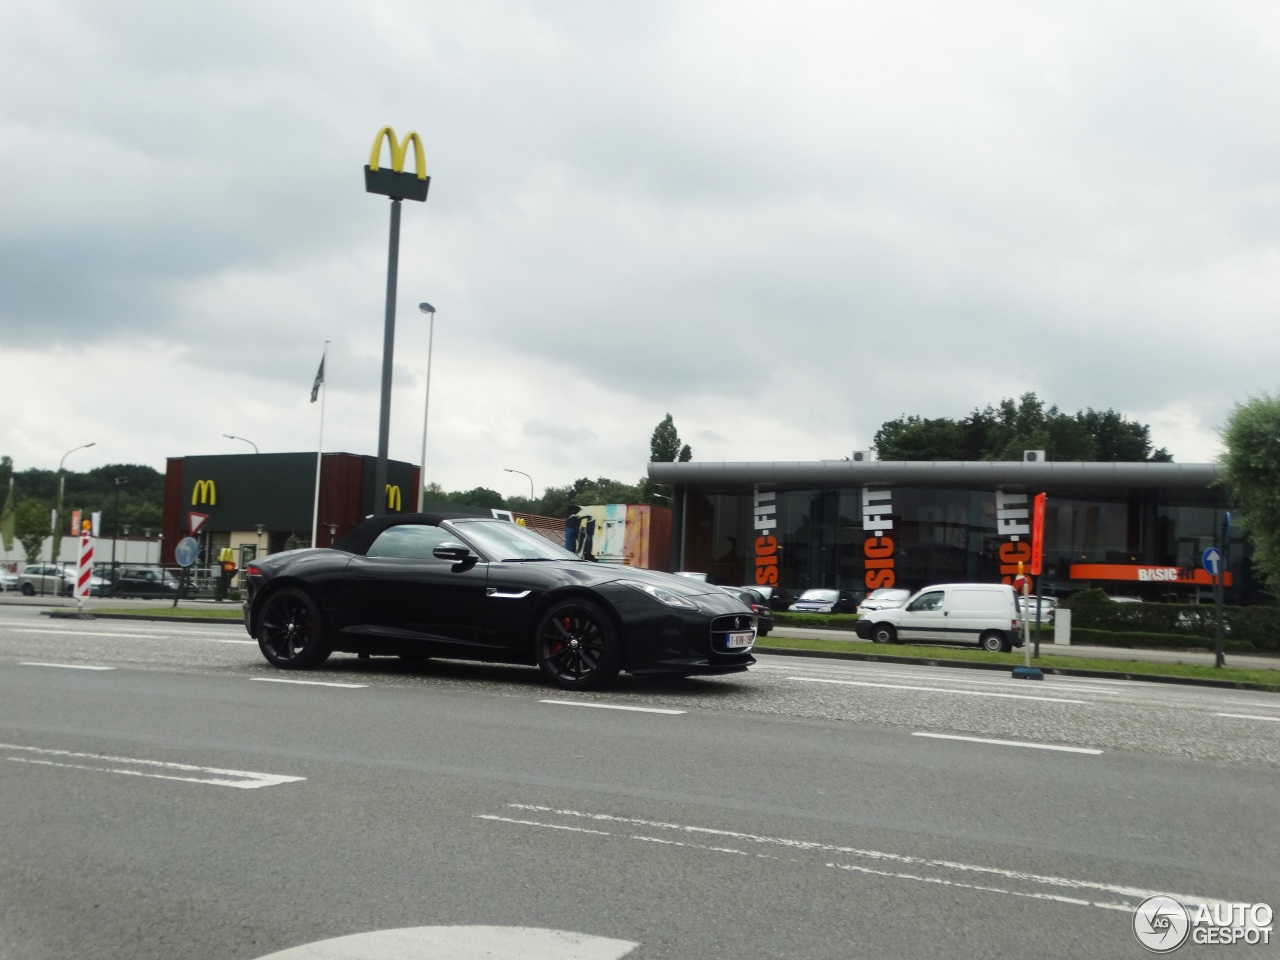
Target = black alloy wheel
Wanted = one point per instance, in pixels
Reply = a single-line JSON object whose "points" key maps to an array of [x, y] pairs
{"points": [[883, 633], [291, 631], [577, 646]]}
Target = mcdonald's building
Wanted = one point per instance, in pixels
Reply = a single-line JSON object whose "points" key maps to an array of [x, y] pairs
{"points": [[1133, 529], [260, 503]]}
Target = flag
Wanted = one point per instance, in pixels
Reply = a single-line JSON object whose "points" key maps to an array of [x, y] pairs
{"points": [[315, 387], [6, 520]]}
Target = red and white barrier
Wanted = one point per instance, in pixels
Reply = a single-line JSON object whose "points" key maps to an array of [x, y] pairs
{"points": [[84, 569]]}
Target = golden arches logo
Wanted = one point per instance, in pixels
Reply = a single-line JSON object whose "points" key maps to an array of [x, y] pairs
{"points": [[398, 150], [205, 491], [393, 497]]}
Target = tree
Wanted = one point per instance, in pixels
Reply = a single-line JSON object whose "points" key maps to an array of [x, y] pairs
{"points": [[664, 446], [1251, 466], [1003, 432], [31, 524]]}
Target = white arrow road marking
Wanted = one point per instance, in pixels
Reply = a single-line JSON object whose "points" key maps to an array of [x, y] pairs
{"points": [[214, 776], [461, 943], [919, 869], [1010, 743], [63, 666], [610, 706], [311, 683], [966, 693]]}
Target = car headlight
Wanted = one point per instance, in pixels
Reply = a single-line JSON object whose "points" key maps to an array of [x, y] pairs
{"points": [[662, 595]]}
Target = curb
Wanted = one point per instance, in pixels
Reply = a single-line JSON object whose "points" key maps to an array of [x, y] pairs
{"points": [[1006, 668], [72, 615]]}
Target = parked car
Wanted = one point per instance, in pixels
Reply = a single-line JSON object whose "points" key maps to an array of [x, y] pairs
{"points": [[982, 613], [882, 598], [821, 600], [55, 580], [476, 588], [775, 597], [8, 580], [754, 598], [1048, 606], [146, 582]]}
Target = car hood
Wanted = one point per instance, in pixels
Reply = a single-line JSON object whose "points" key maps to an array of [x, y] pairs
{"points": [[594, 574]]}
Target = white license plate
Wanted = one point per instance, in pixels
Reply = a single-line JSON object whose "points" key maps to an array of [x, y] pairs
{"points": [[736, 641]]}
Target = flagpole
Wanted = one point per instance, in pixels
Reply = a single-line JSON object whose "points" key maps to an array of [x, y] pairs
{"points": [[315, 514]]}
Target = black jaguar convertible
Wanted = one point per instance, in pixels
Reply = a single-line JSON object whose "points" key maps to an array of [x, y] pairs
{"points": [[422, 585]]}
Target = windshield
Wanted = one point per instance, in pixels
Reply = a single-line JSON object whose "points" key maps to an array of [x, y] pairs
{"points": [[503, 540], [823, 595]]}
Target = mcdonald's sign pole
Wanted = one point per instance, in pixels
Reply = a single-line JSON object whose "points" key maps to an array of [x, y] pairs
{"points": [[398, 185]]}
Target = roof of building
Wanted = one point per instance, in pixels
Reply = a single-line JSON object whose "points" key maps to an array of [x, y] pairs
{"points": [[847, 473]]}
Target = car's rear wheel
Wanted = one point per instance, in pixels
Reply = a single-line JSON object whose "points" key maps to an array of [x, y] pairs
{"points": [[291, 631], [883, 633], [994, 642], [577, 645]]}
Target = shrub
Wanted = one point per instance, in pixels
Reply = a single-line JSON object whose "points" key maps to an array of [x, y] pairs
{"points": [[1255, 628]]}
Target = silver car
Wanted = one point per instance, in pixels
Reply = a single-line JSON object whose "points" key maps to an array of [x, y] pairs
{"points": [[55, 580]]}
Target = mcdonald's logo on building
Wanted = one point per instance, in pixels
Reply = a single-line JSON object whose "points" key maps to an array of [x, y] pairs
{"points": [[393, 497], [205, 491], [395, 183]]}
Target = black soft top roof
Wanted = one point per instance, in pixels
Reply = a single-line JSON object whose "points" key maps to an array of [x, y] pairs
{"points": [[360, 538]]}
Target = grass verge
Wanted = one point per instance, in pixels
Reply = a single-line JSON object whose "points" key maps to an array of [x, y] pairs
{"points": [[203, 612], [1254, 679]]}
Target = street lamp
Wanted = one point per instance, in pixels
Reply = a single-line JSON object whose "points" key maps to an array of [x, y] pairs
{"points": [[523, 474], [115, 509], [62, 483], [232, 436], [430, 311]]}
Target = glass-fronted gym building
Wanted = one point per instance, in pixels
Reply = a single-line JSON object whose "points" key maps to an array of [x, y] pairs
{"points": [[1134, 529]]}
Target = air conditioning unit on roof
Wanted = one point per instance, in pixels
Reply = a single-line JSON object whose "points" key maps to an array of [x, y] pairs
{"points": [[863, 456], [1033, 456]]}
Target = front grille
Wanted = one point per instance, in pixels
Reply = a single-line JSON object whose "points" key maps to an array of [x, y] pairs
{"points": [[721, 627]]}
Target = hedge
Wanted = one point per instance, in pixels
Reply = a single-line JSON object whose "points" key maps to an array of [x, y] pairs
{"points": [[1246, 628], [817, 621]]}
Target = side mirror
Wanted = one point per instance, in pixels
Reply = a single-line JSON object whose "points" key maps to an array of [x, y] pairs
{"points": [[453, 552]]}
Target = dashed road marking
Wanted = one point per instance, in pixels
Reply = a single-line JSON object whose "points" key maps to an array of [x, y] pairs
{"points": [[312, 683], [967, 693], [1010, 743], [135, 767], [63, 666], [611, 706]]}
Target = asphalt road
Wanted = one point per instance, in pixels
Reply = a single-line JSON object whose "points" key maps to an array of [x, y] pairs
{"points": [[179, 801]]}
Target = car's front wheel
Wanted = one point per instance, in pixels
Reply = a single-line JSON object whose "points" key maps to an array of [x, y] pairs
{"points": [[577, 645], [291, 631], [28, 590], [883, 633]]}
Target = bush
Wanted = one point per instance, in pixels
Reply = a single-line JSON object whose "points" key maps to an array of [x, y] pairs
{"points": [[1256, 628], [817, 621]]}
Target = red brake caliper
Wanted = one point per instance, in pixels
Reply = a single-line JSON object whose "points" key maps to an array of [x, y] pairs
{"points": [[557, 645]]}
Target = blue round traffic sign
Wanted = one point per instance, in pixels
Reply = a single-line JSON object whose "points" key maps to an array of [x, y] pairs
{"points": [[186, 551], [1211, 560]]}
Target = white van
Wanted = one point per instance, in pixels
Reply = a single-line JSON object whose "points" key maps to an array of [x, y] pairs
{"points": [[981, 613]]}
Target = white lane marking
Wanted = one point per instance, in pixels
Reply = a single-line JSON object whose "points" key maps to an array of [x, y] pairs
{"points": [[204, 638], [215, 776], [1247, 716], [1018, 876], [549, 826], [1010, 743], [312, 683], [611, 706], [63, 666], [1056, 898], [461, 943], [966, 693]]}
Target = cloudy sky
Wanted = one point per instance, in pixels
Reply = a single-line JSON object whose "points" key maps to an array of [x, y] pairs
{"points": [[783, 223]]}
